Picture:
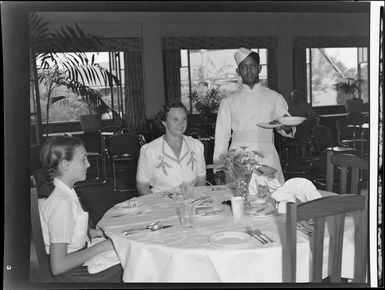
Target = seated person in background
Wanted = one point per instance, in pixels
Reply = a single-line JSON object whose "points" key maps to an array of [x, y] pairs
{"points": [[64, 223], [298, 107], [173, 159]]}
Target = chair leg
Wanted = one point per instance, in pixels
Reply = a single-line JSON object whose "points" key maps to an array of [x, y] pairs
{"points": [[114, 176]]}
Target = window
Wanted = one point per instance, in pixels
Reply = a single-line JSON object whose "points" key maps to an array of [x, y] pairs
{"points": [[327, 66], [204, 69], [65, 106]]}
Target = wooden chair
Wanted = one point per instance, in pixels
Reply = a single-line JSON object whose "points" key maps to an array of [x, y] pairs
{"points": [[336, 206], [95, 153], [125, 148], [325, 147], [40, 270], [345, 162]]}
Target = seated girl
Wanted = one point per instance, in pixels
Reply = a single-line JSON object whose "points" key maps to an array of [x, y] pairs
{"points": [[173, 159], [64, 223]]}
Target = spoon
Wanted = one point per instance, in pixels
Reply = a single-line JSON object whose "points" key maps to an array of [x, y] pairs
{"points": [[153, 227]]}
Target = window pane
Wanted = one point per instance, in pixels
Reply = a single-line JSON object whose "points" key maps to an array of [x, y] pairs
{"points": [[183, 57], [214, 68], [329, 66], [68, 106]]}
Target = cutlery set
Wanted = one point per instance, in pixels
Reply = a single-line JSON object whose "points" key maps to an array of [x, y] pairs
{"points": [[261, 237], [307, 231]]}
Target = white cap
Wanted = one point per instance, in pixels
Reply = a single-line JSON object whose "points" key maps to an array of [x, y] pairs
{"points": [[241, 54]]}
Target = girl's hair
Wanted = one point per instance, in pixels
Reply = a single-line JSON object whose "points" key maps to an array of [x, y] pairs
{"points": [[54, 150], [167, 107]]}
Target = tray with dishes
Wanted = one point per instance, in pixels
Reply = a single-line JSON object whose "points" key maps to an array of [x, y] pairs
{"points": [[286, 120], [261, 210], [271, 125]]}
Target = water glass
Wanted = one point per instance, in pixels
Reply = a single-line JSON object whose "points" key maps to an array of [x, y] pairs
{"points": [[187, 191], [238, 206], [185, 213]]}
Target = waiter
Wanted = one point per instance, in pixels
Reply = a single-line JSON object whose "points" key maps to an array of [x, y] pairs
{"points": [[239, 114]]}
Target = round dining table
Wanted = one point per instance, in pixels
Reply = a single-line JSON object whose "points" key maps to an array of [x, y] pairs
{"points": [[180, 254]]}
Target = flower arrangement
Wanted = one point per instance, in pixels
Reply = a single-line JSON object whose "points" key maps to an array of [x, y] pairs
{"points": [[241, 164]]}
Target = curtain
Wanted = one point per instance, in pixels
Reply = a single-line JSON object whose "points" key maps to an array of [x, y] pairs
{"points": [[172, 62], [134, 91], [299, 67]]}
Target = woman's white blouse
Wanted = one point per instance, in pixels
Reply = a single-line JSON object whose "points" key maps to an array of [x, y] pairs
{"points": [[159, 167], [63, 219]]}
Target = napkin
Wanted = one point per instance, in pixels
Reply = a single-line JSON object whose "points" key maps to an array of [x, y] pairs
{"points": [[255, 180], [295, 188], [101, 261]]}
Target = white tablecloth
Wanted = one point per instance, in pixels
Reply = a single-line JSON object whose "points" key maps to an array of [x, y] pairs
{"points": [[178, 254]]}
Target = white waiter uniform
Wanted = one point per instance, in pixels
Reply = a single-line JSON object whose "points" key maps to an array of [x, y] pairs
{"points": [[241, 112]]}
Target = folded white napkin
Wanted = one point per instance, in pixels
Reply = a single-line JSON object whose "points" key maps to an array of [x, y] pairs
{"points": [[295, 188], [101, 261], [255, 180]]}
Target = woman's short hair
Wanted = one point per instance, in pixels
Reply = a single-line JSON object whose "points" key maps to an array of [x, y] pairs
{"points": [[167, 107]]}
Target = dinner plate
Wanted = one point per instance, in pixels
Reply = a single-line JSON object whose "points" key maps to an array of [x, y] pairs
{"points": [[229, 239], [291, 121], [268, 126], [261, 211], [130, 205]]}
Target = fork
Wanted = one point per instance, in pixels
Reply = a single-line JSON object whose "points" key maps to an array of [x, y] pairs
{"points": [[304, 229], [262, 235], [253, 234]]}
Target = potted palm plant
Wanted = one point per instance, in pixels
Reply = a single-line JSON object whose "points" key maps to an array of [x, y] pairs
{"points": [[207, 105], [59, 68], [347, 93]]}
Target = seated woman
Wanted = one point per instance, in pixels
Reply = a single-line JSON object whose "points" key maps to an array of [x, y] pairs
{"points": [[64, 223], [173, 159]]}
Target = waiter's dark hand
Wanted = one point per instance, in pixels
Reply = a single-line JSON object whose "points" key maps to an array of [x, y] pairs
{"points": [[219, 177], [287, 129]]}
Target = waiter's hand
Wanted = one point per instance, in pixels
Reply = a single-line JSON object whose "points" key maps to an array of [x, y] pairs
{"points": [[286, 128], [219, 177]]}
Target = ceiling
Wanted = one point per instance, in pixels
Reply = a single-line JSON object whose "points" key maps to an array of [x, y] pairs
{"points": [[206, 6]]}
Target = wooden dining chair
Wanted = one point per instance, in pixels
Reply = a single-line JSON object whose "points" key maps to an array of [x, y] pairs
{"points": [[335, 206], [347, 163], [125, 148], [40, 270]]}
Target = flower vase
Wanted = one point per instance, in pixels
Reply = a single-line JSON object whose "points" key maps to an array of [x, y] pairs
{"points": [[242, 186]]}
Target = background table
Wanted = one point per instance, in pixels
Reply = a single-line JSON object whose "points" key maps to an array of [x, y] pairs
{"points": [[179, 254]]}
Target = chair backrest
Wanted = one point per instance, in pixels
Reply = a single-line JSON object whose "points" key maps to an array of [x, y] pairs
{"points": [[343, 131], [322, 138], [40, 270], [125, 144], [92, 141], [336, 207], [347, 162]]}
